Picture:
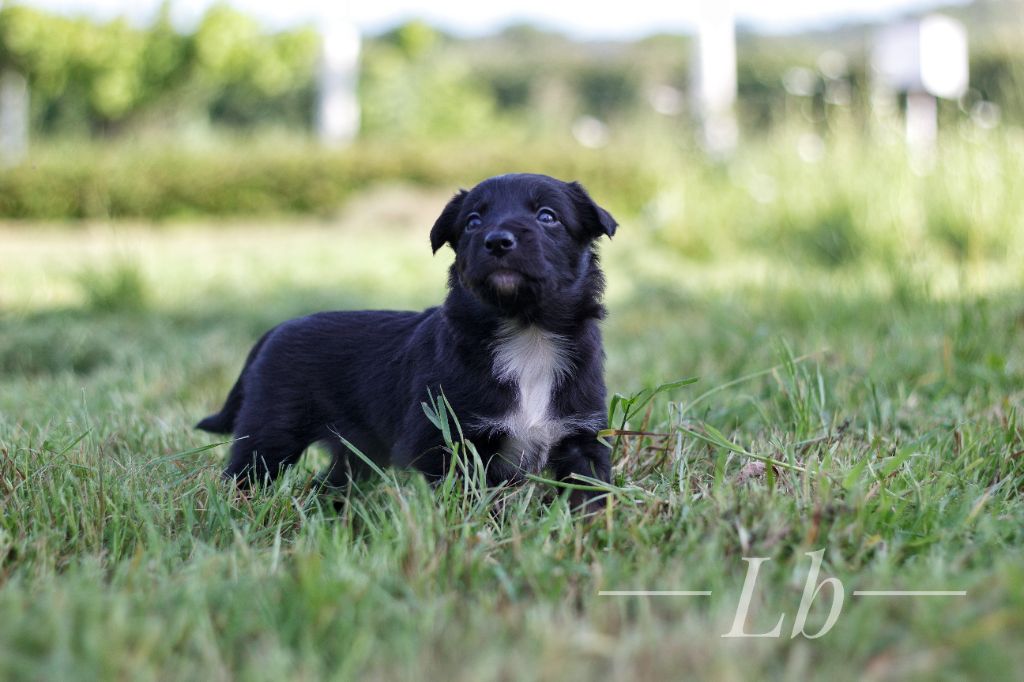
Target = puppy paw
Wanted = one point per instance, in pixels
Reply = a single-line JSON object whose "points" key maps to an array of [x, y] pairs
{"points": [[587, 502]]}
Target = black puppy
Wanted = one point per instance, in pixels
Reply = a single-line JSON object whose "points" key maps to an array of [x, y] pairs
{"points": [[515, 348]]}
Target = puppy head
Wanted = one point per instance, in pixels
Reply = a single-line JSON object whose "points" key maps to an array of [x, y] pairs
{"points": [[522, 241]]}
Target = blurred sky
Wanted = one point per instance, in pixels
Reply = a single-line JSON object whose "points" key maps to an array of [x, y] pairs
{"points": [[629, 19]]}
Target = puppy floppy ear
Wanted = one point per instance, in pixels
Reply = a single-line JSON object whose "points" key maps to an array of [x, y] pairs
{"points": [[445, 230], [596, 220]]}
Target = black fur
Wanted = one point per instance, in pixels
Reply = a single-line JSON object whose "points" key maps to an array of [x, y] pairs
{"points": [[363, 375]]}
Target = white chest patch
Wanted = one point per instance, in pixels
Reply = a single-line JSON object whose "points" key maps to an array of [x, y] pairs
{"points": [[535, 361]]}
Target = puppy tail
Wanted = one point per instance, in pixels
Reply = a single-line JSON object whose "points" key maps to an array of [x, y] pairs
{"points": [[224, 421]]}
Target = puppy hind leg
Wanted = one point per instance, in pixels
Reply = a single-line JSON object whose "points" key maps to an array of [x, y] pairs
{"points": [[336, 476], [345, 466], [262, 457]]}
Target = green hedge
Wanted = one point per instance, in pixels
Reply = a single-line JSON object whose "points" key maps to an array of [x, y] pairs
{"points": [[859, 198], [87, 182]]}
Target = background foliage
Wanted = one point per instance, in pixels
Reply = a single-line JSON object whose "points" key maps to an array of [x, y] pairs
{"points": [[105, 77], [228, 70]]}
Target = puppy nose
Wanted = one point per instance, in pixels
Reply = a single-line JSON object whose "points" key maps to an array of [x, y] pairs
{"points": [[499, 241]]}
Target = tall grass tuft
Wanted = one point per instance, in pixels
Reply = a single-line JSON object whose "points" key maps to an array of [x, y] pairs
{"points": [[120, 287]]}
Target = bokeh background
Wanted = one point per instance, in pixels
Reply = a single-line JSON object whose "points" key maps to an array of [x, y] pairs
{"points": [[147, 116]]}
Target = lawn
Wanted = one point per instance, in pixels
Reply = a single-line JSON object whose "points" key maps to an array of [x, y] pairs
{"points": [[889, 397]]}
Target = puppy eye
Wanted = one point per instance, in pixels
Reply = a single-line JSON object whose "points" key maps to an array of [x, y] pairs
{"points": [[473, 222], [547, 216]]}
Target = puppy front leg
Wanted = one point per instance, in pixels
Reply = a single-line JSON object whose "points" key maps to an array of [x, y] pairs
{"points": [[583, 454]]}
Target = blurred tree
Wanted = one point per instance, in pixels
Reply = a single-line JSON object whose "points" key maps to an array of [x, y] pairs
{"points": [[87, 76], [607, 89], [412, 88], [91, 76]]}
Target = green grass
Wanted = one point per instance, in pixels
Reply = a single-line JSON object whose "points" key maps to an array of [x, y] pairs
{"points": [[892, 399]]}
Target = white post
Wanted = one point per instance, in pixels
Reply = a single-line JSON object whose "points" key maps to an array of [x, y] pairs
{"points": [[715, 76], [922, 126], [13, 117], [337, 119], [926, 59]]}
